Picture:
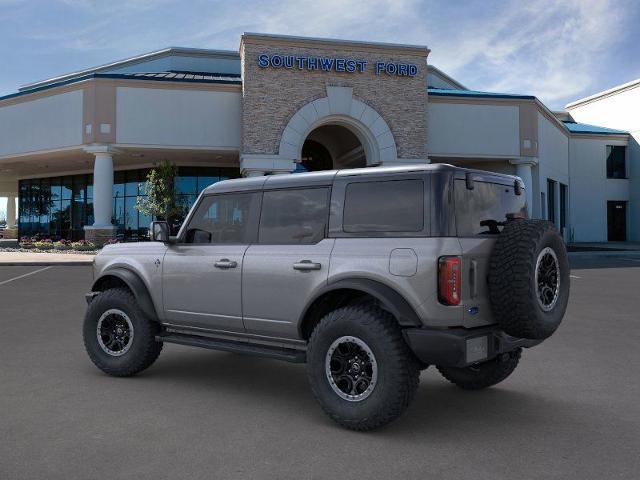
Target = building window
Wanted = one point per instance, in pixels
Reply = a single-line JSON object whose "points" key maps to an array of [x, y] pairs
{"points": [[60, 207], [563, 206], [551, 200], [616, 161]]}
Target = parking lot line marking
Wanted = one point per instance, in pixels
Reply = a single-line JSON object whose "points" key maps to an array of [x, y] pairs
{"points": [[574, 276], [25, 275]]}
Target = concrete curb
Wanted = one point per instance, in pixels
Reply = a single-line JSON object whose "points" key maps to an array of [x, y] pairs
{"points": [[606, 253]]}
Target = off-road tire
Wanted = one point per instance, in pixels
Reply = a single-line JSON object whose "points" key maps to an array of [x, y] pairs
{"points": [[485, 374], [513, 291], [144, 349], [398, 370]]}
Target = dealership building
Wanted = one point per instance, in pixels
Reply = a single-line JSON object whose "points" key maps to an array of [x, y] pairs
{"points": [[75, 149]]}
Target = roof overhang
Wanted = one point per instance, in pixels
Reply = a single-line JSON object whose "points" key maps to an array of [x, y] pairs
{"points": [[469, 96], [436, 71], [145, 57], [605, 93], [228, 81]]}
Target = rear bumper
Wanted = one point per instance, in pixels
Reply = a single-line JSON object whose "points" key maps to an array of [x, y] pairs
{"points": [[461, 347]]}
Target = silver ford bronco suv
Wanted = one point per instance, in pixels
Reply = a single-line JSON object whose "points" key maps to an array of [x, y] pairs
{"points": [[366, 275]]}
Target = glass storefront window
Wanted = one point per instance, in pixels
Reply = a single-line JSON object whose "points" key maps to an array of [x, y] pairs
{"points": [[118, 213], [204, 182], [59, 207], [90, 186], [143, 224], [118, 184], [56, 189], [130, 214], [79, 188], [186, 184], [67, 188]]}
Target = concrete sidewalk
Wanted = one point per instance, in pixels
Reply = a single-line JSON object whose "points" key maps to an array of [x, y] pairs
{"points": [[604, 246], [37, 259]]}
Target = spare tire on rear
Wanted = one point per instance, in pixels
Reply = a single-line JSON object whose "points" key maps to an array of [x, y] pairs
{"points": [[529, 279]]}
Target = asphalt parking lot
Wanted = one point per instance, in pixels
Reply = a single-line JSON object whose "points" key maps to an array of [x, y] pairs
{"points": [[571, 410]]}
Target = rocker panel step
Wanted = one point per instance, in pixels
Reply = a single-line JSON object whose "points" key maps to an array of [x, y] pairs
{"points": [[286, 354]]}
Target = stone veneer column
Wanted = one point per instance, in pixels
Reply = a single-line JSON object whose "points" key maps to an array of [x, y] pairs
{"points": [[102, 228]]}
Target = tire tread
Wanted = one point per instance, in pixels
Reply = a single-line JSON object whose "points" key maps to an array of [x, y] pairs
{"points": [[145, 331], [406, 370]]}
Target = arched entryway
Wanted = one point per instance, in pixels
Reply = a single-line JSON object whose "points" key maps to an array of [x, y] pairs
{"points": [[337, 130], [331, 147]]}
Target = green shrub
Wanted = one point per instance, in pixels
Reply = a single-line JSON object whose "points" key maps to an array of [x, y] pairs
{"points": [[83, 246], [62, 245], [43, 244]]}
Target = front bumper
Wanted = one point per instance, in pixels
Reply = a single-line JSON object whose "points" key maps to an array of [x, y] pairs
{"points": [[461, 347]]}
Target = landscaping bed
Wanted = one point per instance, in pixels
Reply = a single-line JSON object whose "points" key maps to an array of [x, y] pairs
{"points": [[37, 245]]}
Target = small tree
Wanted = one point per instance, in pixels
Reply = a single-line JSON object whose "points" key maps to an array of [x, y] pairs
{"points": [[161, 200]]}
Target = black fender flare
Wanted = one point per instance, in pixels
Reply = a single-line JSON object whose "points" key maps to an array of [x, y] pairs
{"points": [[135, 284], [389, 298]]}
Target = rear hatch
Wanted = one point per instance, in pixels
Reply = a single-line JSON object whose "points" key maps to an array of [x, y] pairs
{"points": [[483, 203]]}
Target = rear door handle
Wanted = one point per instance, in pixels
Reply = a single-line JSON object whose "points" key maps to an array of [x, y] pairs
{"points": [[306, 265], [226, 263]]}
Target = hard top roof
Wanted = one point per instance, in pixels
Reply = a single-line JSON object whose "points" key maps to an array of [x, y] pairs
{"points": [[326, 177]]}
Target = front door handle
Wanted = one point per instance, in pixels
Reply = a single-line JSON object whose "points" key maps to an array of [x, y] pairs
{"points": [[226, 263], [306, 265]]}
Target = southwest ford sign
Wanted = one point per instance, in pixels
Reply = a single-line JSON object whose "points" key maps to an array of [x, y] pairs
{"points": [[333, 64]]}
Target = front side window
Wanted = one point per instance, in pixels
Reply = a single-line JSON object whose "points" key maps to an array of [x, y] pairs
{"points": [[616, 165], [296, 216], [222, 219], [384, 206]]}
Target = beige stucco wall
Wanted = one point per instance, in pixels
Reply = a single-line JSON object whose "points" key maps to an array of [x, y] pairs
{"points": [[619, 110], [272, 96], [467, 129], [591, 189], [178, 117], [54, 121]]}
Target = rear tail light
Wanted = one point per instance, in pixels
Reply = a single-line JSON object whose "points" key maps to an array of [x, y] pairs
{"points": [[449, 280]]}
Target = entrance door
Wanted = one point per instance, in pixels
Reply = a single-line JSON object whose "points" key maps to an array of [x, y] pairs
{"points": [[617, 221], [202, 273]]}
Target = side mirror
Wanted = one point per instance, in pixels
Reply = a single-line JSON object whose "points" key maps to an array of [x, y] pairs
{"points": [[159, 232]]}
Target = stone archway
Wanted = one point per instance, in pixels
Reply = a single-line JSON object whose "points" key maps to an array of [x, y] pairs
{"points": [[339, 108], [332, 146]]}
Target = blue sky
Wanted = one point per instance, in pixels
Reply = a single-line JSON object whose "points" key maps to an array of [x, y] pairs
{"points": [[557, 50]]}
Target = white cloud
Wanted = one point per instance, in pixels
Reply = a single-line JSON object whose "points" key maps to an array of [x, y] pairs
{"points": [[542, 47], [546, 48]]}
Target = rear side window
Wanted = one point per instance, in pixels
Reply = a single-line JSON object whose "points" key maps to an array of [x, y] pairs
{"points": [[384, 206], [481, 211], [296, 216]]}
